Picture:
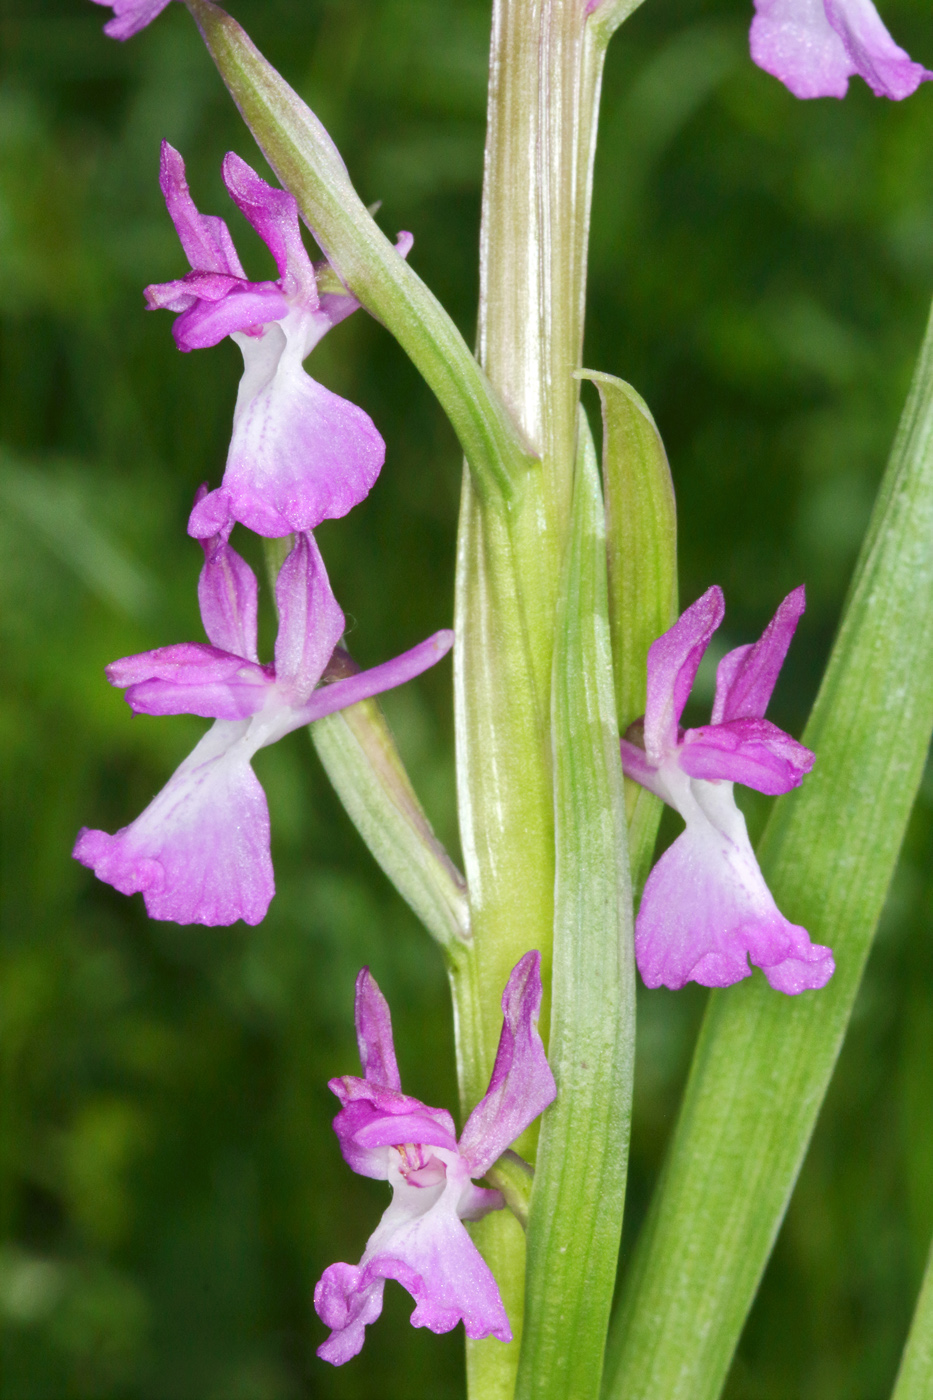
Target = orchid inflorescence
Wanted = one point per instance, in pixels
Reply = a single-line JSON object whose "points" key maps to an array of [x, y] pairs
{"points": [[200, 852]]}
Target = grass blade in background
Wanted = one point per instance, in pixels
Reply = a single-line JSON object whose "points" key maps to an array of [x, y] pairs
{"points": [[915, 1377], [579, 1188], [763, 1061]]}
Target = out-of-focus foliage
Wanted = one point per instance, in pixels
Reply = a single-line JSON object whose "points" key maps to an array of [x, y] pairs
{"points": [[169, 1185]]}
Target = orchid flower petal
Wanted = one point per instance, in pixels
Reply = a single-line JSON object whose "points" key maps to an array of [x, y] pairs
{"points": [[374, 1033], [244, 311], [130, 16], [227, 596], [273, 213], [746, 677], [337, 696], [299, 453], [192, 679], [200, 851], [310, 620], [673, 661], [815, 46], [753, 752], [522, 1084], [205, 238]]}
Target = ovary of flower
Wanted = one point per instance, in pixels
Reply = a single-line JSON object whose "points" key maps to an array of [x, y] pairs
{"points": [[816, 46], [200, 851], [706, 909], [299, 454], [383, 1133]]}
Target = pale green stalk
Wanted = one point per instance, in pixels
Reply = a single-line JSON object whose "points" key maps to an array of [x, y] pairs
{"points": [[579, 1187], [545, 73], [915, 1376], [763, 1061]]}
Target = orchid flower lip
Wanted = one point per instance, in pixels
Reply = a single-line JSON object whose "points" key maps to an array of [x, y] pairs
{"points": [[706, 909], [383, 1133]]}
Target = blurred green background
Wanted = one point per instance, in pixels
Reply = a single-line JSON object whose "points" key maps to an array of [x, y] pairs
{"points": [[761, 270]]}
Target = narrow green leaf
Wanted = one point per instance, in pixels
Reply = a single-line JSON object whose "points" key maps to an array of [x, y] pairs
{"points": [[763, 1061], [915, 1376], [579, 1187], [361, 759], [641, 530], [308, 163]]}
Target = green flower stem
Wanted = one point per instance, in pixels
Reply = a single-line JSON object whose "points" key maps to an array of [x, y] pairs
{"points": [[915, 1376], [641, 528], [579, 1188], [764, 1061], [545, 72], [308, 163]]}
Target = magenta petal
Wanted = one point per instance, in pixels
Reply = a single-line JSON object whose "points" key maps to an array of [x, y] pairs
{"points": [[746, 677], [310, 620], [672, 666], [802, 974], [130, 16], [204, 237], [886, 68], [815, 46], [373, 1118], [200, 851], [299, 453], [273, 213], [635, 765], [192, 679], [246, 309], [227, 597], [522, 1084], [348, 1305], [374, 1033], [339, 694], [753, 752], [706, 908]]}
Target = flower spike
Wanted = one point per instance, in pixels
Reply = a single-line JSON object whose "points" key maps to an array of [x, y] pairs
{"points": [[706, 908], [200, 851], [815, 46], [384, 1133], [299, 454]]}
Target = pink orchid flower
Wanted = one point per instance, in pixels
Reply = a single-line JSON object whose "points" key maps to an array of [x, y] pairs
{"points": [[200, 851], [383, 1133], [706, 909], [299, 454]]}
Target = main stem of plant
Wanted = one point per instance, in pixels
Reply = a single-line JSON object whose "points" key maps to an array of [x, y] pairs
{"points": [[545, 71]]}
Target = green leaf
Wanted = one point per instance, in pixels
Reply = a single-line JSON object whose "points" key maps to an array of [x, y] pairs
{"points": [[579, 1188], [308, 163], [763, 1061], [641, 530], [915, 1376]]}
